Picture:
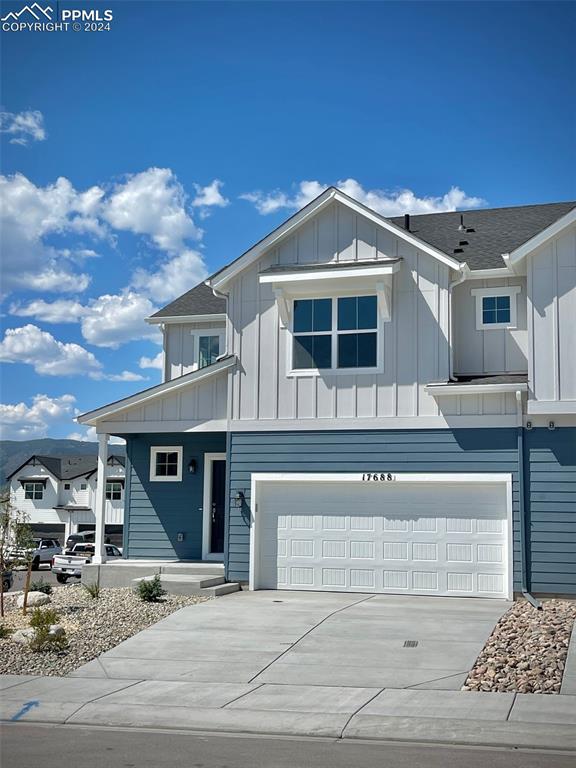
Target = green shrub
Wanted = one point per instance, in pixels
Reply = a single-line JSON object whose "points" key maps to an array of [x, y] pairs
{"points": [[43, 640], [41, 586], [41, 618], [150, 591], [93, 590], [4, 632]]}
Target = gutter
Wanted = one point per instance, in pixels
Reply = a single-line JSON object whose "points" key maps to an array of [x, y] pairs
{"points": [[522, 504]]}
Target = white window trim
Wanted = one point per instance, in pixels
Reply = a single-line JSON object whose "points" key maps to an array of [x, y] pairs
{"points": [[334, 333], [509, 290], [34, 484], [197, 333], [258, 478], [155, 449]]}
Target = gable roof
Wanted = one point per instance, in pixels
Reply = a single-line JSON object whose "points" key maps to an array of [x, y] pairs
{"points": [[198, 301], [67, 467], [496, 230]]}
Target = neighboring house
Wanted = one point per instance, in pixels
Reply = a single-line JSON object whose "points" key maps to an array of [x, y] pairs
{"points": [[57, 494], [368, 404]]}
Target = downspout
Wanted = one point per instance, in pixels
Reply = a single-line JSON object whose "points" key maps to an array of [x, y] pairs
{"points": [[465, 271], [522, 507]]}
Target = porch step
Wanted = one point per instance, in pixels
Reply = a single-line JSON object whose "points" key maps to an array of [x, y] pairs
{"points": [[188, 584]]}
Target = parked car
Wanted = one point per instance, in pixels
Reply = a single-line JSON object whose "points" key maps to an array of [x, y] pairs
{"points": [[43, 552], [69, 565], [86, 537], [7, 580]]}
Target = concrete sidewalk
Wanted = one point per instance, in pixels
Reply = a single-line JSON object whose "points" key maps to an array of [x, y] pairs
{"points": [[448, 717]]}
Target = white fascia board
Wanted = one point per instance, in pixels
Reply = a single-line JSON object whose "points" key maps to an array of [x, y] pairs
{"points": [[540, 239], [551, 407], [217, 318], [331, 194], [377, 269], [168, 387], [473, 389], [486, 274]]}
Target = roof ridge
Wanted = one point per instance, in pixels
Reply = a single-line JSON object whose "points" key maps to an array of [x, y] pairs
{"points": [[486, 210]]}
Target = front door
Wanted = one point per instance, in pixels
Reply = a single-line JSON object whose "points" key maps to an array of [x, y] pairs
{"points": [[217, 506]]}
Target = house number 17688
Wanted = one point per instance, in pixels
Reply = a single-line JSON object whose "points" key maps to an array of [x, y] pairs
{"points": [[380, 476]]}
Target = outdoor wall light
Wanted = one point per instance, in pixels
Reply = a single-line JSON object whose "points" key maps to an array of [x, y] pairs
{"points": [[192, 466], [551, 425]]}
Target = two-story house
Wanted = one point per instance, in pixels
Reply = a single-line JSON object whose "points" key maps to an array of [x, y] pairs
{"points": [[368, 404], [57, 494]]}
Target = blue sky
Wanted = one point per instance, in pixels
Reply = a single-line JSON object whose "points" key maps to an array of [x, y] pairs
{"points": [[136, 161]]}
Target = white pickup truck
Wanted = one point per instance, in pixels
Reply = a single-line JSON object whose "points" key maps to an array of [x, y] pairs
{"points": [[69, 565]]}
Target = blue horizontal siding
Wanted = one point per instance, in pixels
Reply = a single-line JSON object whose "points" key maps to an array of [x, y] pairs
{"points": [[551, 502], [156, 512], [472, 450]]}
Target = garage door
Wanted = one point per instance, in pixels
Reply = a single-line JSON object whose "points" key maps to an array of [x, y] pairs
{"points": [[401, 538]]}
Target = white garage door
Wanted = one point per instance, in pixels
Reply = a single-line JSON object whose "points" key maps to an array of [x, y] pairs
{"points": [[399, 538]]}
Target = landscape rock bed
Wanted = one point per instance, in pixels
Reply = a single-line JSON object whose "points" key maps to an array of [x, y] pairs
{"points": [[527, 650], [92, 626]]}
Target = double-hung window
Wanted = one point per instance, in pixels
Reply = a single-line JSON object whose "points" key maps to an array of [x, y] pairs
{"points": [[335, 334], [34, 491], [114, 491]]}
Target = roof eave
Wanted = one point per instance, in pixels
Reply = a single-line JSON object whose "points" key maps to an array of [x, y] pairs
{"points": [[515, 256], [217, 317]]}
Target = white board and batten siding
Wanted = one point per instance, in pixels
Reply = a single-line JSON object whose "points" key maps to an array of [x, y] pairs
{"points": [[181, 346], [551, 274], [489, 351], [444, 539], [415, 342]]}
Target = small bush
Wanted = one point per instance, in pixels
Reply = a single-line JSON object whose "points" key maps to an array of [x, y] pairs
{"points": [[151, 591], [4, 632], [41, 618], [43, 640], [93, 590], [41, 586]]}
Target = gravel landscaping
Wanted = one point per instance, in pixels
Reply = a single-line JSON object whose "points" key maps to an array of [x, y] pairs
{"points": [[527, 650], [92, 627]]}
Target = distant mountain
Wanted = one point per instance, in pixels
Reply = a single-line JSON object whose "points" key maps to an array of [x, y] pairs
{"points": [[13, 453]]}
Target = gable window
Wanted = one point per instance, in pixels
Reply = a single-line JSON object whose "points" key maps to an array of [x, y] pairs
{"points": [[34, 491], [66, 486], [208, 350], [114, 491], [166, 463], [83, 486], [496, 307], [332, 334]]}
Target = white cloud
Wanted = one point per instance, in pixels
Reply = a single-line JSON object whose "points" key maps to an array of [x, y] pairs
{"points": [[153, 362], [172, 278], [23, 126], [152, 203], [114, 319], [50, 357], [20, 421], [59, 311], [210, 196], [387, 203], [108, 321]]}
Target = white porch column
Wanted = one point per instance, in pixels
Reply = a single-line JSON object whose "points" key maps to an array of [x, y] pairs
{"points": [[100, 504]]}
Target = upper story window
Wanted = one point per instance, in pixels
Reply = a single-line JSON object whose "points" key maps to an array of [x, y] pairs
{"points": [[335, 334], [83, 486], [114, 491], [34, 491], [166, 463], [66, 486], [208, 350], [496, 307]]}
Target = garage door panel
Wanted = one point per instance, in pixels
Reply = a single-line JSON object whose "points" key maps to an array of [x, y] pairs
{"points": [[405, 539]]}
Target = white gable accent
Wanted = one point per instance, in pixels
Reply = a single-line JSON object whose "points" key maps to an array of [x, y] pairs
{"points": [[222, 278]]}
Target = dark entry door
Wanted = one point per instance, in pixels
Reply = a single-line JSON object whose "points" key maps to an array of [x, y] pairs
{"points": [[218, 504]]}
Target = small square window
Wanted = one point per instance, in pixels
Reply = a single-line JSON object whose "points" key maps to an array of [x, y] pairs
{"points": [[166, 464], [83, 486], [66, 486], [34, 491], [495, 309], [114, 491]]}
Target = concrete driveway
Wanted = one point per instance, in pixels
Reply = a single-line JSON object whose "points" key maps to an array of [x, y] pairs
{"points": [[257, 643]]}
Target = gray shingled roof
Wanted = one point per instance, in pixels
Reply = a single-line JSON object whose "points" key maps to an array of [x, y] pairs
{"points": [[496, 230], [67, 467], [199, 301]]}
